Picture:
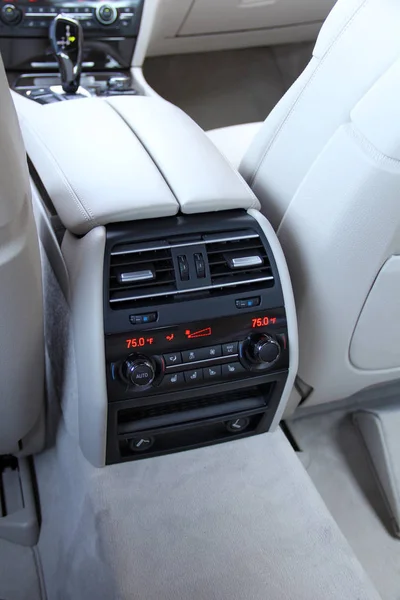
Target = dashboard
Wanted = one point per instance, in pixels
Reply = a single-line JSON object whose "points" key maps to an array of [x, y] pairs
{"points": [[110, 30]]}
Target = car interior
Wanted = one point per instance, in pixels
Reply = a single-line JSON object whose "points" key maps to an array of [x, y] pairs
{"points": [[199, 299]]}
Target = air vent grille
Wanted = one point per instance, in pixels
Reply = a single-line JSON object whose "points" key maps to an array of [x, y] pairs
{"points": [[140, 273], [147, 274], [239, 262]]}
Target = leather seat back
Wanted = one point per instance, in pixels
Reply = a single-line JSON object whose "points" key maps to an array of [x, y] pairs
{"points": [[325, 166], [21, 312]]}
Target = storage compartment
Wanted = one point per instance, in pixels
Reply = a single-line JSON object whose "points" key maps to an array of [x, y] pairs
{"points": [[209, 16]]}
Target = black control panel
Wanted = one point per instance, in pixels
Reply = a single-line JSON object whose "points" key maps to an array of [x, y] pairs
{"points": [[107, 19], [197, 348], [198, 354]]}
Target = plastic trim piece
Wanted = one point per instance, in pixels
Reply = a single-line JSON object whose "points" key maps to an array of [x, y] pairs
{"points": [[290, 307], [84, 258]]}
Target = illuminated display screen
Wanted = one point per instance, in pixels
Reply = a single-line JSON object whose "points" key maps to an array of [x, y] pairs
{"points": [[193, 335]]}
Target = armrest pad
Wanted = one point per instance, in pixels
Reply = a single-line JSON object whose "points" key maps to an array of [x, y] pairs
{"points": [[124, 159], [197, 173], [93, 167]]}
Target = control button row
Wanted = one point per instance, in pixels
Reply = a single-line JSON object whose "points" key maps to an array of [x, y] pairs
{"points": [[206, 374], [199, 354]]}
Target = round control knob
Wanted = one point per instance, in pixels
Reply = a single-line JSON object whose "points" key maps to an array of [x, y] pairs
{"points": [[264, 350], [10, 14], [106, 14], [139, 372]]}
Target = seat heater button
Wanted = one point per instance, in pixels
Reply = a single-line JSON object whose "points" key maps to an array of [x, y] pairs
{"points": [[194, 376], [173, 380], [212, 372], [232, 369]]}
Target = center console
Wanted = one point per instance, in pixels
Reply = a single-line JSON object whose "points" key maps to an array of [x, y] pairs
{"points": [[109, 30], [182, 308], [196, 337]]}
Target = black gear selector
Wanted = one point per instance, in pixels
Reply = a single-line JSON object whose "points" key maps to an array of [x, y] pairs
{"points": [[66, 37]]}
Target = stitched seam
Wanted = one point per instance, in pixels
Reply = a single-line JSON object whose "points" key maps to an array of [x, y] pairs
{"points": [[255, 202], [302, 91], [368, 147], [85, 212]]}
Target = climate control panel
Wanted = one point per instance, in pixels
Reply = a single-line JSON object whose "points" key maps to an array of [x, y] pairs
{"points": [[24, 18], [156, 361]]}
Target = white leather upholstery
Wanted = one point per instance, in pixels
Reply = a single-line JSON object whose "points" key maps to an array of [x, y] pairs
{"points": [[325, 167], [126, 158], [199, 178], [234, 141], [21, 314], [94, 169]]}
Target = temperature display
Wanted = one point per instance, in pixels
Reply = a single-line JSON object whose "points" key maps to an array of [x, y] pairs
{"points": [[139, 342], [263, 322]]}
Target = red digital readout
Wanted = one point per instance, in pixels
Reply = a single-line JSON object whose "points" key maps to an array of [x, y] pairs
{"points": [[139, 342], [191, 335], [263, 322]]}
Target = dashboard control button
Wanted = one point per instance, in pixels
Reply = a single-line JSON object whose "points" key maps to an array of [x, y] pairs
{"points": [[264, 350], [207, 353], [212, 372], [248, 302], [183, 267], [141, 443], [106, 14], [237, 425], [10, 14], [173, 380], [172, 359], [229, 349], [139, 371], [191, 355], [200, 265], [232, 369], [143, 319], [194, 376]]}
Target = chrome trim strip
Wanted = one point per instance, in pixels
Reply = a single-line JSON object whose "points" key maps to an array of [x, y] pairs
{"points": [[200, 289], [247, 261], [200, 362], [183, 245], [146, 275]]}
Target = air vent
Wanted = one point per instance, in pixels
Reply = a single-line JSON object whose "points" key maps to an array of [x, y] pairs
{"points": [[239, 261], [137, 273], [144, 275]]}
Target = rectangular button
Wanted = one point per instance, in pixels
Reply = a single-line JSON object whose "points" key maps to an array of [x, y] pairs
{"points": [[230, 348], [200, 265], [173, 358], [191, 355], [248, 302], [149, 318], [173, 380], [183, 267], [212, 372], [232, 369], [207, 353], [194, 376]]}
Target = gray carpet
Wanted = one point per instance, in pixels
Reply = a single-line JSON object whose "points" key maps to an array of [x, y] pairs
{"points": [[224, 88], [18, 573], [336, 459]]}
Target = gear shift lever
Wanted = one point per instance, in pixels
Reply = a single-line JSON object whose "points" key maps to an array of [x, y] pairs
{"points": [[66, 37]]}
